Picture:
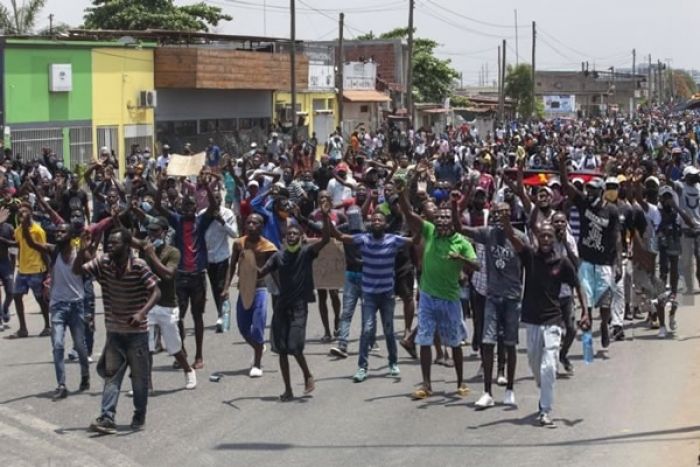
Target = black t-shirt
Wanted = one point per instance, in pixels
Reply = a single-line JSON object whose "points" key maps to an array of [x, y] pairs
{"points": [[600, 229], [7, 232], [72, 201], [295, 275], [544, 277], [322, 176]]}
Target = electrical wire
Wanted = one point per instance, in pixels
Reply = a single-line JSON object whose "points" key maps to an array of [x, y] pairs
{"points": [[424, 9], [477, 21]]}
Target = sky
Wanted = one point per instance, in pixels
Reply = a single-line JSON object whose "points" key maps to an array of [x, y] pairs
{"points": [[602, 32]]}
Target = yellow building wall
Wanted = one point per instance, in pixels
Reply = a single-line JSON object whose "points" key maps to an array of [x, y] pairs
{"points": [[306, 100], [118, 75]]}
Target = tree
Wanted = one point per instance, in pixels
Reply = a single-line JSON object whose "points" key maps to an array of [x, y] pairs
{"points": [[432, 77], [518, 86], [152, 14], [20, 19], [459, 101]]}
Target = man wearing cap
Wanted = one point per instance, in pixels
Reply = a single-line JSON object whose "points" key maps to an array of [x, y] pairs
{"points": [[689, 196], [163, 159], [341, 185], [599, 246]]}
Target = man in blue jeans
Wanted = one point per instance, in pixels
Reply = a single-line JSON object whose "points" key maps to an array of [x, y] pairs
{"points": [[129, 291], [66, 305], [378, 250]]}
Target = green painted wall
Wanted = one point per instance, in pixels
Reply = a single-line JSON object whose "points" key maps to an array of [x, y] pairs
{"points": [[27, 96]]}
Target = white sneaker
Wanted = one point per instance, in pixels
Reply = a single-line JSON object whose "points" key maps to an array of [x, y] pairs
{"points": [[190, 379], [484, 401], [672, 324], [90, 360], [130, 393], [662, 332], [255, 372], [509, 398], [501, 380]]}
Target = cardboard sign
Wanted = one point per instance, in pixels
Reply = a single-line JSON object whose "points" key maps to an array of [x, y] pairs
{"points": [[329, 267], [184, 166], [247, 278]]}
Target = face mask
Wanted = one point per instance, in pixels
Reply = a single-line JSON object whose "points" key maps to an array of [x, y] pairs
{"points": [[146, 206], [158, 242], [293, 248], [611, 195]]}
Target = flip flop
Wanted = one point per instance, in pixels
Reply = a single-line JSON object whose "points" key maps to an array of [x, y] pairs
{"points": [[309, 386], [463, 390], [46, 332], [18, 335], [421, 393]]}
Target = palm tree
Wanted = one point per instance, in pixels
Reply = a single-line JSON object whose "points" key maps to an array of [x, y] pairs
{"points": [[21, 19]]}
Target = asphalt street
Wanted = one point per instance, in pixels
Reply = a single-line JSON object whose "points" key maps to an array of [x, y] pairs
{"points": [[639, 407]]}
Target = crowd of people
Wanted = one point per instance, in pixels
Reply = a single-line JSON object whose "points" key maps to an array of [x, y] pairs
{"points": [[547, 224]]}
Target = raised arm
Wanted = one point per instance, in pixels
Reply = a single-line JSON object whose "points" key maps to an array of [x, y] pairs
{"points": [[517, 242], [326, 237], [414, 221]]}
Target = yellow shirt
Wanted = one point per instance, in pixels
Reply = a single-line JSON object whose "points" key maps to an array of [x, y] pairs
{"points": [[30, 260]]}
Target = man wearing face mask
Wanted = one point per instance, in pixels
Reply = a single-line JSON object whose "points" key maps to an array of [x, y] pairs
{"points": [[600, 246], [378, 250], [502, 309], [445, 254], [163, 260], [689, 196]]}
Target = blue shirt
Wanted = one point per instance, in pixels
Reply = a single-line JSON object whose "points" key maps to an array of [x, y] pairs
{"points": [[272, 229], [189, 239], [213, 156], [378, 257]]}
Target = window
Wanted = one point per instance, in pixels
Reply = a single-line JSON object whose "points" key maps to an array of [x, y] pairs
{"points": [[319, 104], [207, 126], [80, 145], [364, 109], [227, 124]]}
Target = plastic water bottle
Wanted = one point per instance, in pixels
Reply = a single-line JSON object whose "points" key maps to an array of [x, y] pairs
{"points": [[226, 314], [587, 340]]}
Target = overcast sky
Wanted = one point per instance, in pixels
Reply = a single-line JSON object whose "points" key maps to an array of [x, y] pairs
{"points": [[603, 32]]}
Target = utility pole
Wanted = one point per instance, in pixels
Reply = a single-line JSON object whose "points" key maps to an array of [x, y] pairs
{"points": [[649, 83], [409, 78], [341, 66], [293, 68], [517, 52], [670, 79], [634, 77], [51, 24], [534, 42], [660, 75], [500, 82], [503, 83]]}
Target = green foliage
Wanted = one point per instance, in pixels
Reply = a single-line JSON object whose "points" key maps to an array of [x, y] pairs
{"points": [[518, 86], [459, 101], [432, 77], [152, 14], [20, 19], [683, 84]]}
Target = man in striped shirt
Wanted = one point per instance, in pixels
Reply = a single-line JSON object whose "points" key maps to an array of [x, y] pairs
{"points": [[378, 250], [129, 291]]}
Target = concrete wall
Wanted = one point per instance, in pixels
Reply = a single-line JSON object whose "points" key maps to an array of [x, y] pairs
{"points": [[193, 104]]}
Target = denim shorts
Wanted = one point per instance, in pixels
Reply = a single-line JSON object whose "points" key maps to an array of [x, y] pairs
{"points": [[24, 282], [501, 317], [445, 316]]}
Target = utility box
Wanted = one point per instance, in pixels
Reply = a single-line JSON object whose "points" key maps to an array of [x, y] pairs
{"points": [[60, 77]]}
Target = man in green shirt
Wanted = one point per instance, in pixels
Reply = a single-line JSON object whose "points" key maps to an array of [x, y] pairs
{"points": [[445, 253]]}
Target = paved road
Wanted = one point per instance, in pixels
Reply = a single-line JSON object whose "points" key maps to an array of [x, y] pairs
{"points": [[640, 407]]}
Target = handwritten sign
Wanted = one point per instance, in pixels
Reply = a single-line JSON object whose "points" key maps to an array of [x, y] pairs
{"points": [[329, 267], [183, 166], [247, 278]]}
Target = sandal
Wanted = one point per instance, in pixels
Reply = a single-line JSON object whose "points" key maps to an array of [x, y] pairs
{"points": [[463, 390], [46, 332], [18, 335], [310, 385], [421, 393]]}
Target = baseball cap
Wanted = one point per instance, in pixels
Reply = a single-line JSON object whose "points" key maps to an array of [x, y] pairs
{"points": [[652, 179], [159, 223], [612, 181], [666, 190], [691, 170], [104, 150], [253, 183], [595, 182], [554, 181], [579, 180]]}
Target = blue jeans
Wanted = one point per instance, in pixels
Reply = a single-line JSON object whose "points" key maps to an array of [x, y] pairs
{"points": [[122, 350], [68, 315], [384, 302], [352, 293]]}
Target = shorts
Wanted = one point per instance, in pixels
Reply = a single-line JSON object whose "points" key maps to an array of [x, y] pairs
{"points": [[445, 316], [403, 284], [251, 322], [7, 272], [190, 287], [24, 282], [166, 319], [597, 281], [501, 317], [647, 283], [288, 328]]}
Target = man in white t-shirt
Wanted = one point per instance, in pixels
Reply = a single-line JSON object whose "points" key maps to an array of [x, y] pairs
{"points": [[342, 185], [689, 202]]}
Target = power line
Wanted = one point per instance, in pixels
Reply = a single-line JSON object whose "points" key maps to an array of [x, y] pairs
{"points": [[391, 6], [477, 21], [461, 27]]}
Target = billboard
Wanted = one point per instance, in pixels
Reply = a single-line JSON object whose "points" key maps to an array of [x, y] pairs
{"points": [[559, 104]]}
